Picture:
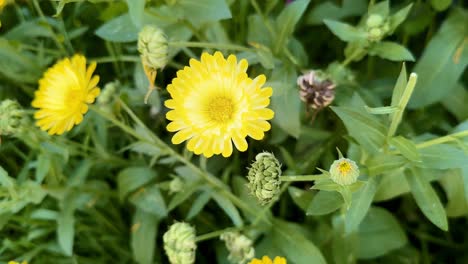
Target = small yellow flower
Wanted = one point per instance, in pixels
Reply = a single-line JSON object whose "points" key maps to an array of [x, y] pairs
{"points": [[64, 93], [16, 262], [267, 260], [344, 171], [214, 104]]}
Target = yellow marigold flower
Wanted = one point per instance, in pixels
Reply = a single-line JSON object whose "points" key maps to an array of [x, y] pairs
{"points": [[64, 93], [16, 262], [267, 260], [214, 104]]}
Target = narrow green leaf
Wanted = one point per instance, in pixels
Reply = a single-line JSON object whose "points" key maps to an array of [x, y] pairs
{"points": [[324, 203], [426, 198], [440, 5], [287, 20], [150, 200], [367, 131], [379, 233], [406, 147], [399, 17], [66, 226], [301, 198], [143, 236], [384, 163], [384, 110], [228, 208], [203, 11], [119, 29], [329, 10], [136, 10], [392, 184], [181, 197], [344, 31], [443, 62], [361, 203], [399, 86], [454, 187], [455, 102], [381, 8], [391, 51], [297, 248], [198, 204], [130, 179], [442, 156]]}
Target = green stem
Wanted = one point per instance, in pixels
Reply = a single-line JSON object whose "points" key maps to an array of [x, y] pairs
{"points": [[221, 46], [349, 59], [297, 178], [268, 207], [109, 59], [443, 139], [216, 234]]}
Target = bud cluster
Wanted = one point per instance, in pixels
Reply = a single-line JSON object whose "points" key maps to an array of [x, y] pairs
{"points": [[377, 27], [239, 247], [179, 243]]}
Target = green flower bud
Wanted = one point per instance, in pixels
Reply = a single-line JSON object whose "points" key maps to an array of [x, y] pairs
{"points": [[176, 185], [375, 34], [179, 243], [374, 20], [153, 47], [12, 118], [264, 177], [107, 92], [239, 247], [344, 171]]}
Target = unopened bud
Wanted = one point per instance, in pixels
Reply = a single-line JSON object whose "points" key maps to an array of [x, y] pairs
{"points": [[179, 243], [176, 185], [239, 247], [153, 47], [375, 34], [264, 177], [12, 118], [374, 20]]}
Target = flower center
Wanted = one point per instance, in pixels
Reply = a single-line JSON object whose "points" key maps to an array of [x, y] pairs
{"points": [[220, 109], [73, 99], [344, 167]]}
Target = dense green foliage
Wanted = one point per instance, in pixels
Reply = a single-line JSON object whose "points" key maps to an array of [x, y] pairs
{"points": [[105, 191]]}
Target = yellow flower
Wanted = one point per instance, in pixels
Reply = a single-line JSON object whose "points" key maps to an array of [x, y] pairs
{"points": [[267, 260], [64, 93], [344, 171], [214, 104], [16, 262]]}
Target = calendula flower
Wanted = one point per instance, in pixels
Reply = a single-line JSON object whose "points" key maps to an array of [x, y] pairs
{"points": [[16, 262], [267, 260], [64, 93], [214, 104], [344, 171]]}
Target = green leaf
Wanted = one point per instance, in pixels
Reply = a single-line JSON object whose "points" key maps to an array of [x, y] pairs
{"points": [[133, 178], [242, 192], [392, 184], [29, 30], [296, 247], [344, 31], [202, 11], [287, 20], [182, 196], [440, 5], [198, 204], [426, 198], [150, 200], [119, 29], [381, 8], [66, 226], [383, 163], [442, 156], [406, 147], [285, 101], [301, 198], [330, 10], [399, 87], [5, 180], [455, 102], [443, 61], [384, 110], [324, 203], [228, 208], [453, 184], [391, 51], [360, 205], [368, 131], [379, 233], [399, 17], [136, 9], [143, 236]]}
